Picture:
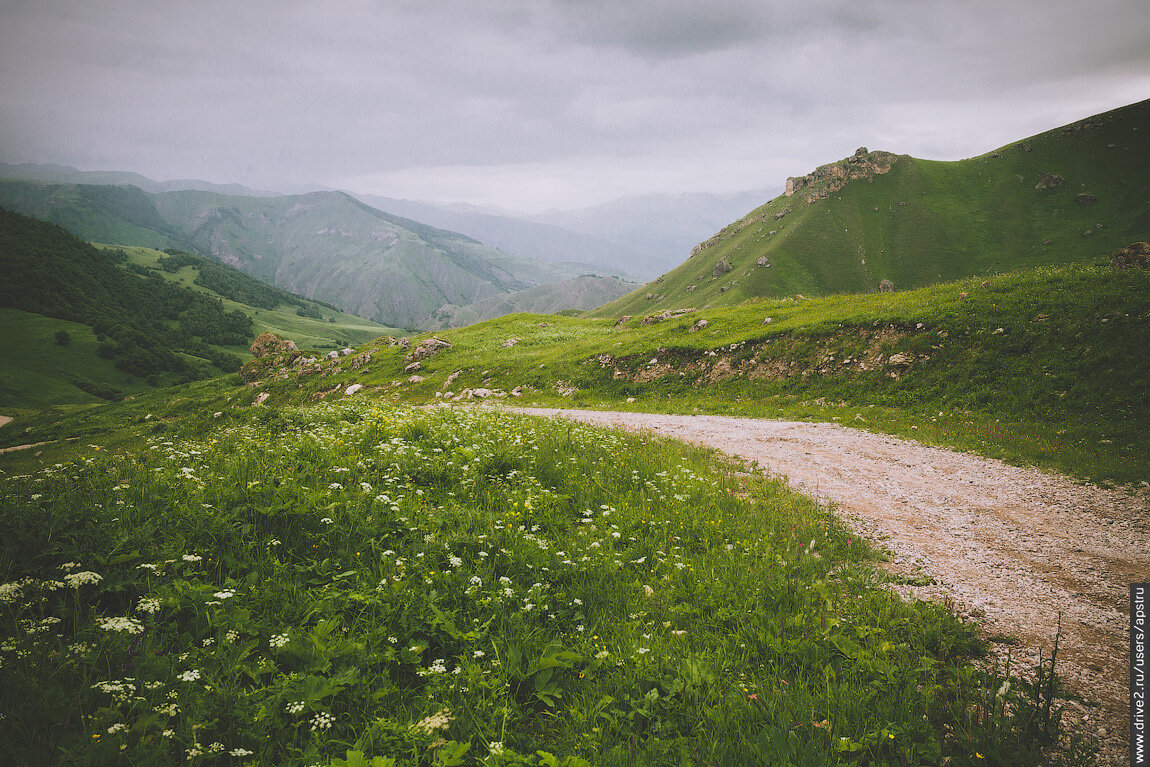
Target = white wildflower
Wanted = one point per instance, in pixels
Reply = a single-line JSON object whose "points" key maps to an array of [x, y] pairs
{"points": [[76, 580]]}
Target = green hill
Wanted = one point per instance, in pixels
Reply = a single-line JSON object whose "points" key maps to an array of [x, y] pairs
{"points": [[326, 246], [1065, 195], [87, 323]]}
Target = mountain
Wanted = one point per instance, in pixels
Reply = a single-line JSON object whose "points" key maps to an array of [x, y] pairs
{"points": [[581, 293], [322, 245], [1072, 193], [66, 174], [530, 239], [639, 236], [91, 322], [655, 231]]}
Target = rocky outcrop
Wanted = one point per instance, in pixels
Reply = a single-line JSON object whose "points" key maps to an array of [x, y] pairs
{"points": [[1136, 254], [270, 343], [1048, 182], [827, 179], [652, 319], [886, 286], [427, 348], [722, 267]]}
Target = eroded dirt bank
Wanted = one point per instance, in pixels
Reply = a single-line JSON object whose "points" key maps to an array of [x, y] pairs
{"points": [[1011, 547]]}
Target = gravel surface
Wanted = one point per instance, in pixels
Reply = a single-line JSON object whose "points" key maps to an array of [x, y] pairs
{"points": [[1010, 547]]}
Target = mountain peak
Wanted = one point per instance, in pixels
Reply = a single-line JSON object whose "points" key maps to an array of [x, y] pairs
{"points": [[829, 178]]}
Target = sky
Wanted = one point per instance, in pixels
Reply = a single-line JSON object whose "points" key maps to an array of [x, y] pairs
{"points": [[529, 105]]}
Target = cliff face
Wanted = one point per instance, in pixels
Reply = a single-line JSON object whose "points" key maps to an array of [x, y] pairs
{"points": [[827, 179]]}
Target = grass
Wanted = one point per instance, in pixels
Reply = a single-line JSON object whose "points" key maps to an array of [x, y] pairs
{"points": [[1041, 367], [334, 331], [355, 584]]}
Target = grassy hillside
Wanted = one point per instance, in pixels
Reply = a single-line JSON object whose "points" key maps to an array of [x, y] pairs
{"points": [[578, 294], [87, 324], [918, 222], [1042, 366], [311, 325], [39, 373]]}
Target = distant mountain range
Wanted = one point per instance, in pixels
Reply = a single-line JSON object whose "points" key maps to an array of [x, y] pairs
{"points": [[323, 245], [638, 237], [878, 220]]}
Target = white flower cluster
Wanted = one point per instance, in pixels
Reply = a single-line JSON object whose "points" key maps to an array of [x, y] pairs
{"points": [[295, 708], [190, 676], [436, 721], [76, 580], [122, 624], [191, 557], [148, 605], [279, 640], [225, 594], [322, 721]]}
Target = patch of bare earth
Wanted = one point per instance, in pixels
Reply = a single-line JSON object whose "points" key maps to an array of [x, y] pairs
{"points": [[1013, 548]]}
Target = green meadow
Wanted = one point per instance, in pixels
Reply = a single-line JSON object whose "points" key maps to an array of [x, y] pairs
{"points": [[361, 584]]}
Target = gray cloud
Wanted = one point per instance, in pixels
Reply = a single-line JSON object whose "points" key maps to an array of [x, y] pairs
{"points": [[553, 102]]}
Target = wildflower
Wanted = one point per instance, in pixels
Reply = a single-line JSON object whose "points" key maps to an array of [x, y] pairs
{"points": [[476, 580], [76, 580], [322, 721], [117, 727], [126, 625], [495, 748], [69, 566], [295, 708], [335, 486], [328, 521], [478, 654], [191, 558], [10, 592], [648, 590], [240, 752], [232, 636], [148, 605], [190, 676], [225, 594], [274, 542], [436, 721]]}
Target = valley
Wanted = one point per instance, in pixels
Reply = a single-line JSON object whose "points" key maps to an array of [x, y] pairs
{"points": [[881, 432]]}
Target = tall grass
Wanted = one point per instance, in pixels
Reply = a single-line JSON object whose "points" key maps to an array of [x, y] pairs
{"points": [[351, 583]]}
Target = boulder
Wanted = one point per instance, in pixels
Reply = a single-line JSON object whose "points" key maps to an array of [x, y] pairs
{"points": [[352, 389], [270, 343], [509, 342], [1048, 182], [722, 267], [762, 261], [451, 379], [1136, 254], [427, 348], [1085, 199], [886, 286], [413, 367], [698, 326], [622, 320]]}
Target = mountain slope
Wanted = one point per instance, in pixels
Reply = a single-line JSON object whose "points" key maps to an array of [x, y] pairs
{"points": [[323, 245], [581, 293], [1072, 193]]}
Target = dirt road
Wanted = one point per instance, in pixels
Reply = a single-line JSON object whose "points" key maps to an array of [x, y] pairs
{"points": [[1011, 547]]}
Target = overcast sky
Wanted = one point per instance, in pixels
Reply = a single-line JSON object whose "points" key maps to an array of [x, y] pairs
{"points": [[548, 103]]}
